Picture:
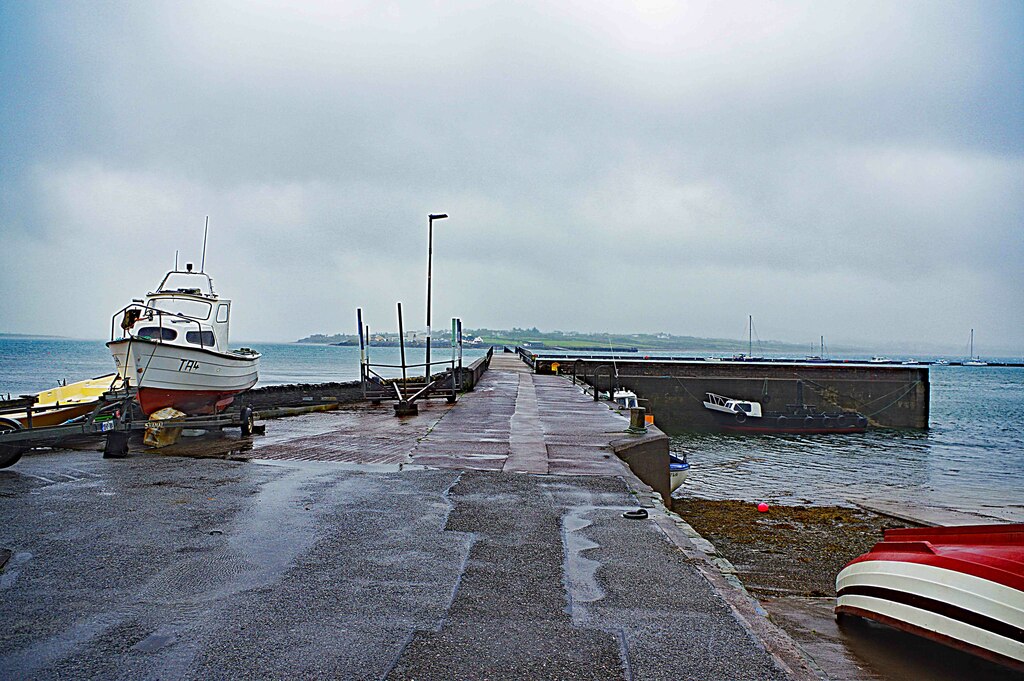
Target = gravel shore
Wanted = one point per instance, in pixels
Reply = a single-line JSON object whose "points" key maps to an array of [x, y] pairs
{"points": [[789, 550]]}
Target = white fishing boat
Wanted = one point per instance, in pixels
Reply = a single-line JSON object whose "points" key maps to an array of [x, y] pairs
{"points": [[173, 347], [626, 399], [730, 406], [746, 416]]}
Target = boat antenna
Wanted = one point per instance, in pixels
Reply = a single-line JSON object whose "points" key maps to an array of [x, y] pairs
{"points": [[175, 260], [750, 335], [202, 265]]}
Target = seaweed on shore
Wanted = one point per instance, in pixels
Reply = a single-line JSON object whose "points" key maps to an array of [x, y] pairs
{"points": [[790, 550]]}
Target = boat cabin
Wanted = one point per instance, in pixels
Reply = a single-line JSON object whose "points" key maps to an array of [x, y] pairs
{"points": [[184, 310], [731, 406], [625, 398]]}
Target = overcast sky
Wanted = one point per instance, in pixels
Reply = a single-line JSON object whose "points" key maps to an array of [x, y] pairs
{"points": [[848, 169]]}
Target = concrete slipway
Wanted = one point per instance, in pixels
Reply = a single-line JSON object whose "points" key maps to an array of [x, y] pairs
{"points": [[481, 540]]}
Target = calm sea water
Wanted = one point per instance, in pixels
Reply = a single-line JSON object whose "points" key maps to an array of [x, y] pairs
{"points": [[972, 457], [31, 365]]}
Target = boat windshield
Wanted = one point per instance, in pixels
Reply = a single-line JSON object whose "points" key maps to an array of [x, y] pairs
{"points": [[187, 307], [198, 283]]}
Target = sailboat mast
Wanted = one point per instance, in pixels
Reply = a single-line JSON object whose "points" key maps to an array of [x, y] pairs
{"points": [[972, 343], [750, 335]]}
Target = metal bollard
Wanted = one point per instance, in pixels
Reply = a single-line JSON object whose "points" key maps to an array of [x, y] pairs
{"points": [[637, 420]]}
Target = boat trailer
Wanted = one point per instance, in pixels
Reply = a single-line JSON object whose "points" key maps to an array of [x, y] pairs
{"points": [[111, 418], [406, 391]]}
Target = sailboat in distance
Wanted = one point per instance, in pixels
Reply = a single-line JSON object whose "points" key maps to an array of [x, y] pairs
{"points": [[974, 361]]}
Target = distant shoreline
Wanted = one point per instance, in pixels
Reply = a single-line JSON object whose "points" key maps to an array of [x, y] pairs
{"points": [[37, 336]]}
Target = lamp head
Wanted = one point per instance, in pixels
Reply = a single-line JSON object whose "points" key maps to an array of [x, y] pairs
{"points": [[438, 216]]}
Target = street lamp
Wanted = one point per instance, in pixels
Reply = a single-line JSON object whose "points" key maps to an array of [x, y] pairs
{"points": [[430, 256]]}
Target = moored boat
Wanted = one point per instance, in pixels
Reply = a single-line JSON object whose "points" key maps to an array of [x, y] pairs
{"points": [[173, 347], [626, 399], [746, 416], [974, 360], [960, 586], [678, 469]]}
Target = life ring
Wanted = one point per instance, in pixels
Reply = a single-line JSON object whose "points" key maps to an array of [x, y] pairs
{"points": [[741, 416], [841, 421]]}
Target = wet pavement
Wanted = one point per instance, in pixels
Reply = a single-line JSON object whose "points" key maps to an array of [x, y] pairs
{"points": [[858, 649], [360, 545]]}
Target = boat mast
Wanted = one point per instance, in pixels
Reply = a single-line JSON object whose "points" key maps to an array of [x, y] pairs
{"points": [[202, 265], [972, 343], [750, 335]]}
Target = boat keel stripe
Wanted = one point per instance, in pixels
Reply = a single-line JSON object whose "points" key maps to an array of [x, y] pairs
{"points": [[939, 607], [939, 637]]}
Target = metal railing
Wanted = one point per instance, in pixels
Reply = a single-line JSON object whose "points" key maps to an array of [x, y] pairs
{"points": [[148, 313]]}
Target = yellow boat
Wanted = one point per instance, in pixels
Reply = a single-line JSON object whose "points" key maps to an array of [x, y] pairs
{"points": [[57, 405]]}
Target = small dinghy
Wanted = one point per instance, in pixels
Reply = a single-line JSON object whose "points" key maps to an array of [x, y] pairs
{"points": [[960, 586], [678, 469], [65, 402]]}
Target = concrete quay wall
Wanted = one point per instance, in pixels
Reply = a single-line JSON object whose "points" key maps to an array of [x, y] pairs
{"points": [[891, 396]]}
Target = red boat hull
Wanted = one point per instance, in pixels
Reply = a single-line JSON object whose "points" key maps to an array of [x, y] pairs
{"points": [[960, 586], [191, 402], [767, 430]]}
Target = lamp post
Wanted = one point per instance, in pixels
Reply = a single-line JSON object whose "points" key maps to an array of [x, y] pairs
{"points": [[430, 256]]}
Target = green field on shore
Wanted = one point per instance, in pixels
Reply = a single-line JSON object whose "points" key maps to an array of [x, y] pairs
{"points": [[573, 340]]}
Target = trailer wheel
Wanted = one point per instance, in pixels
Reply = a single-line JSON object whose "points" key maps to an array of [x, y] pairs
{"points": [[248, 420], [9, 454]]}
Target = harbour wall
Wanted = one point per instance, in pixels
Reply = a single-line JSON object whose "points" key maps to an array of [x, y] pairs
{"points": [[891, 396], [304, 394]]}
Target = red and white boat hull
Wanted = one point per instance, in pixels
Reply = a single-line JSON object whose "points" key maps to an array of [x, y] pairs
{"points": [[961, 586], [192, 380]]}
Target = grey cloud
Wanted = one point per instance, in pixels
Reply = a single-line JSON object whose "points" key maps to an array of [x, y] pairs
{"points": [[808, 152]]}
